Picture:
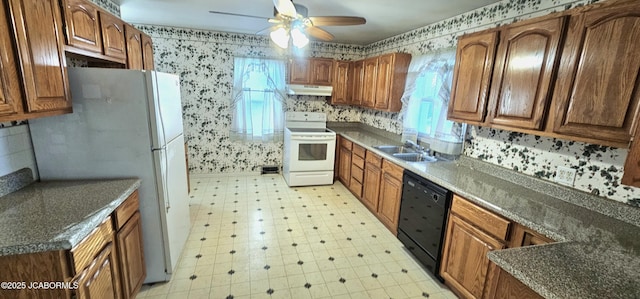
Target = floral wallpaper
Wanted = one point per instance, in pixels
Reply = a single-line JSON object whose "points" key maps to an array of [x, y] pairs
{"points": [[203, 59]]}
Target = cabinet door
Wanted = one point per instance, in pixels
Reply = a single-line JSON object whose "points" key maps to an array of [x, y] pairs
{"points": [[503, 285], [147, 52], [300, 71], [369, 82], [134, 47], [10, 92], [340, 94], [100, 280], [371, 187], [356, 82], [389, 198], [472, 76], [521, 88], [113, 39], [384, 78], [131, 256], [40, 45], [597, 92], [464, 260], [321, 71], [345, 166], [82, 25]]}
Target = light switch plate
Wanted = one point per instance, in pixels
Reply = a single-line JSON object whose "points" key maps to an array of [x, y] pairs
{"points": [[565, 176]]}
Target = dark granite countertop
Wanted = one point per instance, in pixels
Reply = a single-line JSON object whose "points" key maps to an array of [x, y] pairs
{"points": [[57, 215], [598, 250]]}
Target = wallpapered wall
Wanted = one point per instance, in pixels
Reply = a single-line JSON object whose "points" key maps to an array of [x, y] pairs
{"points": [[203, 59]]}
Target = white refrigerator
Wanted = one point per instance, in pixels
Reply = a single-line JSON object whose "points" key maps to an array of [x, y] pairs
{"points": [[125, 123]]}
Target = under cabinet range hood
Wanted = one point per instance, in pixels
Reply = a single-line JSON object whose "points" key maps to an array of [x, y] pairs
{"points": [[312, 90]]}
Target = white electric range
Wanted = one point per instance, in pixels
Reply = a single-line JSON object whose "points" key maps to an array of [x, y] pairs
{"points": [[309, 149]]}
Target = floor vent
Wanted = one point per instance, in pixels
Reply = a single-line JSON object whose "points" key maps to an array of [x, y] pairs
{"points": [[269, 169]]}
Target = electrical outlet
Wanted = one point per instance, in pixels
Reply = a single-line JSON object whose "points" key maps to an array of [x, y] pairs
{"points": [[565, 175]]}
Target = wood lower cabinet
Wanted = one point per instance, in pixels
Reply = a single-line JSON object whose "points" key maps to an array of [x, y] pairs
{"points": [[345, 162], [357, 170], [108, 263], [133, 39], [390, 195], [503, 285], [147, 52], [472, 232], [82, 25], [100, 279], [371, 186]]}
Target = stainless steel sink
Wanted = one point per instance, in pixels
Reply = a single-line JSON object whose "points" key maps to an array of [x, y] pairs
{"points": [[414, 157], [394, 149]]}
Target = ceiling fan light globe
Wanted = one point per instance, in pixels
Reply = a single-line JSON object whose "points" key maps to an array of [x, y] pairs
{"points": [[280, 37], [299, 38]]}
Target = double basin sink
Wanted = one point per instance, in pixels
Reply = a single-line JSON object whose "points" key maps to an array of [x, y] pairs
{"points": [[405, 153]]}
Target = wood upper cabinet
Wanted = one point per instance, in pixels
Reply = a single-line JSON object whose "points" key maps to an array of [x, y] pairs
{"points": [[133, 38], [147, 52], [472, 75], [391, 76], [113, 38], [356, 82], [39, 41], [341, 84], [525, 66], [390, 195], [370, 66], [10, 92], [597, 92], [82, 25], [313, 71]]}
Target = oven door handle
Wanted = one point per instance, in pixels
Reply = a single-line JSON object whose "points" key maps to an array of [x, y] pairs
{"points": [[313, 138]]}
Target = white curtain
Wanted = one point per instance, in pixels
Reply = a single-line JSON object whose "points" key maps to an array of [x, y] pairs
{"points": [[441, 63], [258, 100]]}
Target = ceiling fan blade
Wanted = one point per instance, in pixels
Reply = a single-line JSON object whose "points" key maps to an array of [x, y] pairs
{"points": [[337, 21], [285, 8], [318, 33], [267, 30], [237, 15]]}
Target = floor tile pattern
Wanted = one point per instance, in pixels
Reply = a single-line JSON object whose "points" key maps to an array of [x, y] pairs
{"points": [[255, 237]]}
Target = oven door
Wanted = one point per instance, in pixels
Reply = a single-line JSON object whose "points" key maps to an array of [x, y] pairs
{"points": [[312, 152]]}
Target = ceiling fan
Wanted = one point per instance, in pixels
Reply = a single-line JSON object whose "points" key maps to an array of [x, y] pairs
{"points": [[292, 23]]}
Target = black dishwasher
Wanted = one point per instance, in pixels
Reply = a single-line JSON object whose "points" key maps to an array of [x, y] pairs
{"points": [[423, 216]]}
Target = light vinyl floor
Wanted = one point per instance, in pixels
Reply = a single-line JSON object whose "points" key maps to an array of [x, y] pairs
{"points": [[255, 237]]}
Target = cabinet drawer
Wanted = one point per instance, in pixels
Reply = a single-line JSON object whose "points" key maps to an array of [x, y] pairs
{"points": [[357, 174], [392, 169], [484, 219], [357, 161], [345, 143], [83, 253], [358, 150], [356, 188], [126, 209], [374, 159]]}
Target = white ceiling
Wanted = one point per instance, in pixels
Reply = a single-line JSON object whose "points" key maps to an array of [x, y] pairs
{"points": [[385, 18]]}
